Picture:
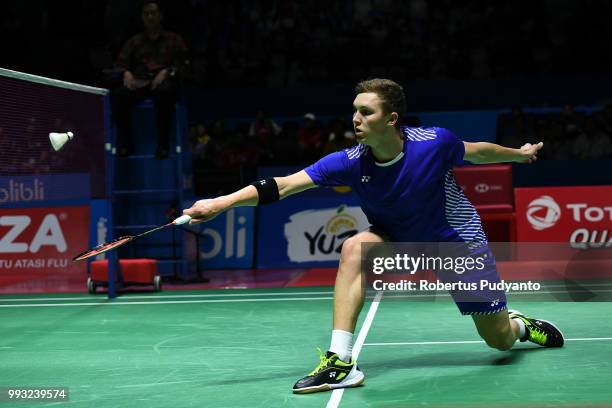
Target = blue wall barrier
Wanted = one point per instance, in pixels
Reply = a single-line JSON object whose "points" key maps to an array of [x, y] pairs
{"points": [[306, 232]]}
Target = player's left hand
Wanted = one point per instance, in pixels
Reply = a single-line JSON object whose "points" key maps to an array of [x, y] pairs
{"points": [[529, 152]]}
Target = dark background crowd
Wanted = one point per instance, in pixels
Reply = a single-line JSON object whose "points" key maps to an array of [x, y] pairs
{"points": [[568, 135], [277, 44], [288, 42]]}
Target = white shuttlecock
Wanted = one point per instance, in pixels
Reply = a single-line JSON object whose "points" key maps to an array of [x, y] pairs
{"points": [[58, 140]]}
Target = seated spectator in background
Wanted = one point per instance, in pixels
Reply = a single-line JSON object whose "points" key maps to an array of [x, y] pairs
{"points": [[542, 132], [203, 145], [592, 142], [581, 146], [151, 62], [237, 153], [515, 131], [285, 148], [310, 141], [604, 119], [571, 120], [601, 141], [344, 141], [339, 137], [264, 130], [561, 141]]}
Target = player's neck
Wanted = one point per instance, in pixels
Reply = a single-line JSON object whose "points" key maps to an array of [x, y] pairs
{"points": [[391, 146]]}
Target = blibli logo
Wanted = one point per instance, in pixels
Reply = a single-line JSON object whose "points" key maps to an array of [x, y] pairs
{"points": [[234, 244], [16, 192]]}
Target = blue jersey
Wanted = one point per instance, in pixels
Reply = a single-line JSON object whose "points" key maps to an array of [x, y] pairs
{"points": [[413, 198]]}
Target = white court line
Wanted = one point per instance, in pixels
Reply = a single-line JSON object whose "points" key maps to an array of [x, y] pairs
{"points": [[111, 303], [425, 343], [533, 292], [166, 296], [391, 296], [336, 396], [590, 339], [573, 284], [153, 384], [433, 293]]}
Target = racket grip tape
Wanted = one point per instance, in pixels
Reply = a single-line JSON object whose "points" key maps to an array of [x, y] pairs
{"points": [[183, 219]]}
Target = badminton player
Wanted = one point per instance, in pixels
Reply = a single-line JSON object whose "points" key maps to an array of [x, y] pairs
{"points": [[404, 181]]}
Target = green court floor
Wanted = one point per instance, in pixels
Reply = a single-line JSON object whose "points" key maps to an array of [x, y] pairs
{"points": [[246, 348]]}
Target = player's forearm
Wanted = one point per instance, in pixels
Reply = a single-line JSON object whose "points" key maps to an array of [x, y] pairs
{"points": [[245, 197], [249, 195], [485, 152]]}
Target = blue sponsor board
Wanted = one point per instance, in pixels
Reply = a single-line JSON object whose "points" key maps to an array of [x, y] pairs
{"points": [[24, 191], [227, 241], [301, 232], [306, 230]]}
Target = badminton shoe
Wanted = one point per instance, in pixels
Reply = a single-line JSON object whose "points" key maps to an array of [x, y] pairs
{"points": [[539, 331], [331, 373]]}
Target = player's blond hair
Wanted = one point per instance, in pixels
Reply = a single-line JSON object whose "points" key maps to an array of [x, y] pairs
{"points": [[390, 92]]}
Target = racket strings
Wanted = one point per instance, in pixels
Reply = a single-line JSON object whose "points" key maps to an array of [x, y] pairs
{"points": [[107, 246]]}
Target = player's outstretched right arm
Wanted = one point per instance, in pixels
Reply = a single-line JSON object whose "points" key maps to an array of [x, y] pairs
{"points": [[260, 192], [484, 152]]}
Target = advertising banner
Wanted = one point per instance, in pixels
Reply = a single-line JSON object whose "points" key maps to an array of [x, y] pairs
{"points": [[227, 241], [37, 245], [579, 215], [487, 186], [24, 191], [99, 233], [306, 232]]}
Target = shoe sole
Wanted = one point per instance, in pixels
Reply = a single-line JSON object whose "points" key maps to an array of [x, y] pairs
{"points": [[542, 320], [347, 383]]}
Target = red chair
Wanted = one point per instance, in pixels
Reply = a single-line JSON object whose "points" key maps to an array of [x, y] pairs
{"points": [[489, 188]]}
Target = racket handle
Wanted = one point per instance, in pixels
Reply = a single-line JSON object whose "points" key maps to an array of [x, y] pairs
{"points": [[183, 219]]}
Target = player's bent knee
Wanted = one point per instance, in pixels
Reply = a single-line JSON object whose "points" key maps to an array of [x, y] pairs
{"points": [[352, 247]]}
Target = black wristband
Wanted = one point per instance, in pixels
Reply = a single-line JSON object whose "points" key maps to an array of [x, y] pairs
{"points": [[267, 190]]}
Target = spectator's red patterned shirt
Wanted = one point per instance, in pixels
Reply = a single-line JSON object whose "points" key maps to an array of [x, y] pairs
{"points": [[145, 57]]}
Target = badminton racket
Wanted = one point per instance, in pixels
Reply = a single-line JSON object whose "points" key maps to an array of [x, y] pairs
{"points": [[107, 246]]}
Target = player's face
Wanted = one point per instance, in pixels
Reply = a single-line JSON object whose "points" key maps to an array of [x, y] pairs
{"points": [[369, 118]]}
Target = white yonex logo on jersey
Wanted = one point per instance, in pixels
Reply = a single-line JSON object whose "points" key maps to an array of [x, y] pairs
{"points": [[365, 179], [550, 218], [495, 303]]}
